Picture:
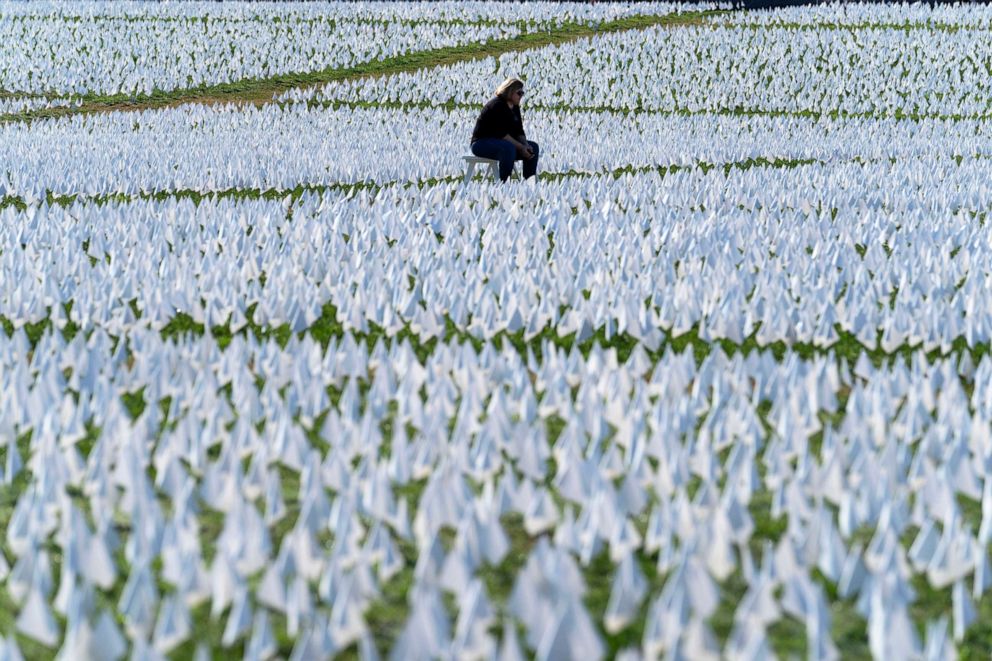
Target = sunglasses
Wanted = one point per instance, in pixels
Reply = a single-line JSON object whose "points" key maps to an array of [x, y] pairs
{"points": [[520, 92]]}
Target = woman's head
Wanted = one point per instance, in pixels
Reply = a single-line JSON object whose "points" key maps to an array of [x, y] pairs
{"points": [[511, 90]]}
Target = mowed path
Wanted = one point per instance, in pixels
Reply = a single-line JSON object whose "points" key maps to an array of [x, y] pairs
{"points": [[259, 91]]}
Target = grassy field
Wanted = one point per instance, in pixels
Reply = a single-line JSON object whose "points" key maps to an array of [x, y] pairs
{"points": [[389, 612], [263, 90]]}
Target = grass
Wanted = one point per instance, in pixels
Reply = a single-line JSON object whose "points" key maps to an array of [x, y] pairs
{"points": [[262, 90], [387, 615], [717, 111], [9, 493], [787, 636], [331, 21], [293, 194], [905, 26], [327, 327]]}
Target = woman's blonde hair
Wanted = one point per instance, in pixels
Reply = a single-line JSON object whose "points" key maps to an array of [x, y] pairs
{"points": [[509, 86]]}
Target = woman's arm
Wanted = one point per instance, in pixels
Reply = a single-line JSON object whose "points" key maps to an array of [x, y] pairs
{"points": [[522, 147], [516, 143]]}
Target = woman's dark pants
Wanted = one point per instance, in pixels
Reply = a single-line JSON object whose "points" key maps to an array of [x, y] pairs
{"points": [[504, 152]]}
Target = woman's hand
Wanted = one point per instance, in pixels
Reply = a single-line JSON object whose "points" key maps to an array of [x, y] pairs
{"points": [[523, 148]]}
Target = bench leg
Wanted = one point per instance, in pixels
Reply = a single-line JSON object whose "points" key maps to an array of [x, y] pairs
{"points": [[468, 172], [495, 168]]}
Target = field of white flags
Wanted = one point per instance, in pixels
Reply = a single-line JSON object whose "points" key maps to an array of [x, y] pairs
{"points": [[56, 51], [276, 382]]}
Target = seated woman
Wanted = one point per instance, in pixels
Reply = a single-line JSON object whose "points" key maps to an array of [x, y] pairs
{"points": [[499, 131]]}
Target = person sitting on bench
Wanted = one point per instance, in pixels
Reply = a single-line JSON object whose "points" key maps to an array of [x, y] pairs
{"points": [[499, 131]]}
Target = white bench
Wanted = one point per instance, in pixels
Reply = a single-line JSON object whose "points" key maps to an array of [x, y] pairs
{"points": [[472, 161]]}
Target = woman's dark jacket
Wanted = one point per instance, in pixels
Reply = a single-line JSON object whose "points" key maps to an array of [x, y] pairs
{"points": [[497, 120]]}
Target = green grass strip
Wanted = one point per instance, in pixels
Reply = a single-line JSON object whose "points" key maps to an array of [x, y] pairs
{"points": [[63, 200], [327, 327], [261, 90], [291, 21], [8, 94], [907, 26], [736, 111]]}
